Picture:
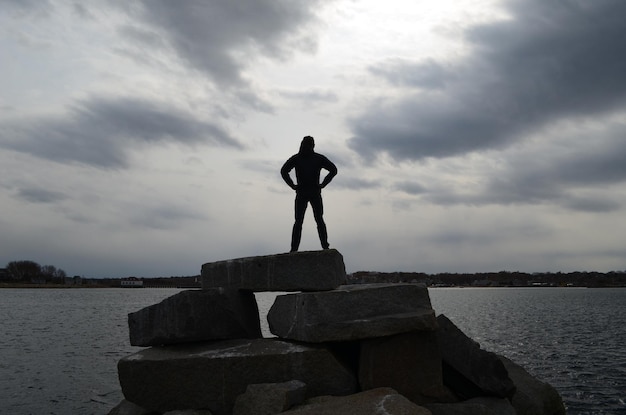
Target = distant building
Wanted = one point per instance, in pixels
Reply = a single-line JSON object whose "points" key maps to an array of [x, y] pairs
{"points": [[484, 283], [131, 282]]}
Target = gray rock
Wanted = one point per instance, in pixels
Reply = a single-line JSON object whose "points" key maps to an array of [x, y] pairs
{"points": [[196, 315], [352, 312], [532, 397], [373, 402], [410, 363], [298, 271], [468, 370], [128, 408], [189, 412], [212, 375], [270, 398], [475, 406]]}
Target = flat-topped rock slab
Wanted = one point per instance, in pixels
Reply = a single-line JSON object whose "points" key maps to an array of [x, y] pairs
{"points": [[196, 315], [212, 375], [297, 271], [352, 312]]}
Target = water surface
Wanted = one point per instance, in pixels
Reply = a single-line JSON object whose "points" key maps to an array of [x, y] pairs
{"points": [[60, 347], [573, 338]]}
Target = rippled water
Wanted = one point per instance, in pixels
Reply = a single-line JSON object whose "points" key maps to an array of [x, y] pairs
{"points": [[572, 338], [59, 348]]}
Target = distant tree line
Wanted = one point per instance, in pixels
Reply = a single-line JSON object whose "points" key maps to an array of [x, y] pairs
{"points": [[501, 279], [31, 272]]}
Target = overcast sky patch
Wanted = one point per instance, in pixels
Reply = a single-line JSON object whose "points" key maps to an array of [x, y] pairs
{"points": [[164, 217], [469, 136], [411, 187], [355, 183], [222, 38], [310, 96], [100, 132], [427, 74], [38, 195], [549, 61]]}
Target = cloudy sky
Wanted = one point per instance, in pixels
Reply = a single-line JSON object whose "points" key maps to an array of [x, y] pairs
{"points": [[145, 138]]}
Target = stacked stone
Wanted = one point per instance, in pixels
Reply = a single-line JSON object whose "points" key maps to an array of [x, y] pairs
{"points": [[340, 349]]}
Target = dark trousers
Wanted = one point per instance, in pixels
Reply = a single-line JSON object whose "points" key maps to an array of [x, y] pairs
{"points": [[303, 198]]}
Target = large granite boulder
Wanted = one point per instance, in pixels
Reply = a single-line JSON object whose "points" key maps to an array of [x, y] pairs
{"points": [[352, 312], [212, 375], [532, 396], [381, 401], [297, 271], [270, 398], [410, 363], [474, 406], [196, 315], [468, 370], [129, 408]]}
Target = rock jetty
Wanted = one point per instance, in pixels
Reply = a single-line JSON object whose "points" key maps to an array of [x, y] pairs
{"points": [[339, 349]]}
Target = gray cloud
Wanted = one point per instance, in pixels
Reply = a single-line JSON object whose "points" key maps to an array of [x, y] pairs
{"points": [[425, 75], [550, 61], [27, 7], [570, 177], [600, 205], [575, 177], [411, 188], [39, 195], [222, 38], [601, 162], [354, 183], [462, 237], [101, 132], [148, 38], [311, 96], [164, 217], [265, 167]]}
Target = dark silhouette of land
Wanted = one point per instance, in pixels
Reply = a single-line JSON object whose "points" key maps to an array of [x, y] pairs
{"points": [[12, 277], [487, 279], [496, 279]]}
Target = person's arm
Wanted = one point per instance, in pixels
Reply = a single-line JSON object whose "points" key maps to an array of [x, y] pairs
{"points": [[284, 172], [332, 172]]}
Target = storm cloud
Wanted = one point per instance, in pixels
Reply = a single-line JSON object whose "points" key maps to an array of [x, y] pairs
{"points": [[222, 39], [547, 64], [548, 61], [101, 132]]}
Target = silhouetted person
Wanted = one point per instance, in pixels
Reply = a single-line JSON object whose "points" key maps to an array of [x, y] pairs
{"points": [[308, 165]]}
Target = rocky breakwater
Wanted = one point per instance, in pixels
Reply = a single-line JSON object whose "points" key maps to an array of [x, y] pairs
{"points": [[339, 349]]}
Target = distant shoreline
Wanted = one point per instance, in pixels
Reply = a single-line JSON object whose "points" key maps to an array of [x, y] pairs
{"points": [[91, 286], [22, 285], [60, 286]]}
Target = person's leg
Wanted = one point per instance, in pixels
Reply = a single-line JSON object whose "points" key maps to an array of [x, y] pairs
{"points": [[300, 209], [318, 213]]}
